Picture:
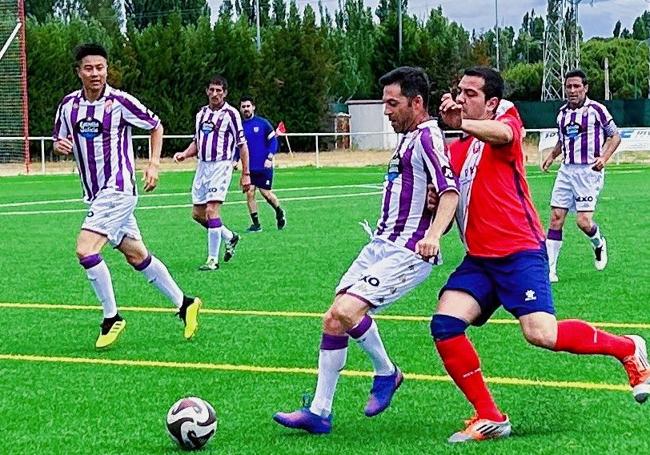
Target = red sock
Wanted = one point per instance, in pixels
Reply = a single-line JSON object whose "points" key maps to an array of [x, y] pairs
{"points": [[462, 363], [579, 337]]}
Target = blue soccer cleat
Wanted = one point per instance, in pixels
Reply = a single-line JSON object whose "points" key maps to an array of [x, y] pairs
{"points": [[304, 419], [383, 389]]}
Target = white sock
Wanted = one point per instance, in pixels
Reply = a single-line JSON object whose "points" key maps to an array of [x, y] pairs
{"points": [[366, 334], [214, 242], [226, 234], [330, 363], [596, 239], [553, 250], [158, 275], [100, 280]]}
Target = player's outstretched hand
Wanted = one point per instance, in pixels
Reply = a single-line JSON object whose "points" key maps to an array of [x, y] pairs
{"points": [[451, 112], [63, 146], [150, 177], [599, 164], [179, 157], [245, 182], [428, 247]]}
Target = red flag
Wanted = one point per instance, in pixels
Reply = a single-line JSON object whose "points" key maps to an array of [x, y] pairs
{"points": [[280, 129]]}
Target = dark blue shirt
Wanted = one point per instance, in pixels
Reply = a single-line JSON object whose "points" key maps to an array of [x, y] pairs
{"points": [[262, 141]]}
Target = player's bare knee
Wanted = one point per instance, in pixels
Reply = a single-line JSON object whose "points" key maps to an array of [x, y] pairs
{"points": [[584, 222], [331, 322], [540, 336]]}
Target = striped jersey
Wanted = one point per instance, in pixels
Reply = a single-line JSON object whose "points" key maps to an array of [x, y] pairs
{"points": [[418, 160], [218, 132], [583, 131], [101, 137]]}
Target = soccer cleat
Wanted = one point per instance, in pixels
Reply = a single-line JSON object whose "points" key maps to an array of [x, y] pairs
{"points": [[230, 247], [254, 228], [189, 314], [383, 389], [281, 219], [638, 369], [304, 419], [482, 429], [110, 331], [210, 264], [600, 253], [552, 277]]}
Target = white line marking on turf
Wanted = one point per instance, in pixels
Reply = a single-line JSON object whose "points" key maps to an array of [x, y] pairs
{"points": [[183, 206], [281, 314], [298, 370], [162, 195]]}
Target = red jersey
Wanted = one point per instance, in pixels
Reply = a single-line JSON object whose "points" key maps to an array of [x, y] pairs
{"points": [[496, 215]]}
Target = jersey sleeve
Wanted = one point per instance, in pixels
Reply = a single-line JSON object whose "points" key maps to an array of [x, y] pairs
{"points": [[136, 114], [237, 127], [512, 150], [436, 162], [271, 139], [60, 130], [605, 119]]}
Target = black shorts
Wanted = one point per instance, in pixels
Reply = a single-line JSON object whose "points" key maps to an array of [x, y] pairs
{"points": [[262, 179]]}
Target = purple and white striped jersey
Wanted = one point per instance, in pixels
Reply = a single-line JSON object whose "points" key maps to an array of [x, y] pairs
{"points": [[418, 160], [583, 131], [101, 137], [218, 132]]}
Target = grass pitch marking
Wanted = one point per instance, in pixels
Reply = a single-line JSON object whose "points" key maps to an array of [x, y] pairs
{"points": [[281, 314], [307, 371], [185, 206], [377, 186]]}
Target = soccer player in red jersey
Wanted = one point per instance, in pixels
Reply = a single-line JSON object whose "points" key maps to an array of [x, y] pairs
{"points": [[506, 261]]}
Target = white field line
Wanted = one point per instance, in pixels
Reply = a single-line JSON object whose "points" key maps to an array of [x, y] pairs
{"points": [[182, 206], [161, 195]]}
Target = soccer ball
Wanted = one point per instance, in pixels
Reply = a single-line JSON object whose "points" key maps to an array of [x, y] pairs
{"points": [[191, 423]]}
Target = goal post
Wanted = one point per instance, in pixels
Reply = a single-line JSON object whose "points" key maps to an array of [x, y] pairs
{"points": [[14, 120]]}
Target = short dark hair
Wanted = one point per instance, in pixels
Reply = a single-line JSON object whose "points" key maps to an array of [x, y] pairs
{"points": [[577, 73], [86, 49], [413, 81], [218, 79], [493, 85], [247, 98]]}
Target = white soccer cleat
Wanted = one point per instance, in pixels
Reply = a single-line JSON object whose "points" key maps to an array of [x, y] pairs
{"points": [[600, 253], [552, 276], [638, 369], [482, 429]]}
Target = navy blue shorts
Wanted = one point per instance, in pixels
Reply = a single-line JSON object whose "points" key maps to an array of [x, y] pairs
{"points": [[262, 179], [519, 282]]}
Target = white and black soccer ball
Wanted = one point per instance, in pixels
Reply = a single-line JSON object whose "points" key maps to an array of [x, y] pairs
{"points": [[191, 423]]}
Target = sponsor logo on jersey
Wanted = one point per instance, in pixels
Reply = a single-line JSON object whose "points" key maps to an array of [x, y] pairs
{"points": [[89, 128]]}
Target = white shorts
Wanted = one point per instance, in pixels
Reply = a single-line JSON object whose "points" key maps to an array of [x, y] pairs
{"points": [[577, 187], [382, 273], [111, 214], [211, 181]]}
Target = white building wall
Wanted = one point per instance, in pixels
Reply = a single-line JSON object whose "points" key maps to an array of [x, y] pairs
{"points": [[367, 116]]}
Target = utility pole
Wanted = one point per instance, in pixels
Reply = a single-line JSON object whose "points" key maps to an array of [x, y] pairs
{"points": [[496, 28], [257, 23], [399, 27]]}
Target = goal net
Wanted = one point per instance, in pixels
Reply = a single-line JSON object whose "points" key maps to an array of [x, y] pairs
{"points": [[14, 147]]}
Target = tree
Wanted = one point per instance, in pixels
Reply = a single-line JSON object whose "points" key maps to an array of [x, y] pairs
{"points": [[617, 29], [141, 13], [39, 9]]}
